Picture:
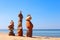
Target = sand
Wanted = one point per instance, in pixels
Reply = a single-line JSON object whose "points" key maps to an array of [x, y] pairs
{"points": [[4, 36]]}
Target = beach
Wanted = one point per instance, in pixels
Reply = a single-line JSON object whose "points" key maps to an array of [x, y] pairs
{"points": [[4, 36]]}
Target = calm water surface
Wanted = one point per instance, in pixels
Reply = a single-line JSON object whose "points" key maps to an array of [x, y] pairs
{"points": [[39, 32]]}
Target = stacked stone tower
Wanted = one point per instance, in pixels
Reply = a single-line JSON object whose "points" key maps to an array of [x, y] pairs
{"points": [[29, 26], [20, 30], [11, 28]]}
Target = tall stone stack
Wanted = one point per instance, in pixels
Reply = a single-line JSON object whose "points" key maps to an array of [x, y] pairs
{"points": [[11, 28], [20, 30]]}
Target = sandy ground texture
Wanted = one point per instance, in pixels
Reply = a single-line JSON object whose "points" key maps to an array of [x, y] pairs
{"points": [[4, 36]]}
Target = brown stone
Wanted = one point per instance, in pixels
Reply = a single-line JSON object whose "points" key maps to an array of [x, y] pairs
{"points": [[11, 33]]}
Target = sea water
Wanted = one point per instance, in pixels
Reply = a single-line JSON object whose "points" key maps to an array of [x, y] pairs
{"points": [[38, 32]]}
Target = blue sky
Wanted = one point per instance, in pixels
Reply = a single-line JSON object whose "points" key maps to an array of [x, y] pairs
{"points": [[45, 13]]}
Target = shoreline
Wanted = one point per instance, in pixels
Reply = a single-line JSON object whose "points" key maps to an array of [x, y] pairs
{"points": [[4, 36]]}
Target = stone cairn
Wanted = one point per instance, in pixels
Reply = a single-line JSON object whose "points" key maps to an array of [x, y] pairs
{"points": [[29, 26], [20, 30], [11, 28]]}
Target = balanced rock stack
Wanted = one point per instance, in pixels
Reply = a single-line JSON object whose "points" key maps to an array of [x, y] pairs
{"points": [[29, 26], [20, 30], [11, 28]]}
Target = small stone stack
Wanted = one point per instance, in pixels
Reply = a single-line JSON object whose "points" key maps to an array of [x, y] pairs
{"points": [[11, 28], [20, 30]]}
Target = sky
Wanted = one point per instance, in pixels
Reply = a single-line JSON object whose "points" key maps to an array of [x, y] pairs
{"points": [[45, 13]]}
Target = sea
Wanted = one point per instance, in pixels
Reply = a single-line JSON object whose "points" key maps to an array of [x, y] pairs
{"points": [[38, 32]]}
